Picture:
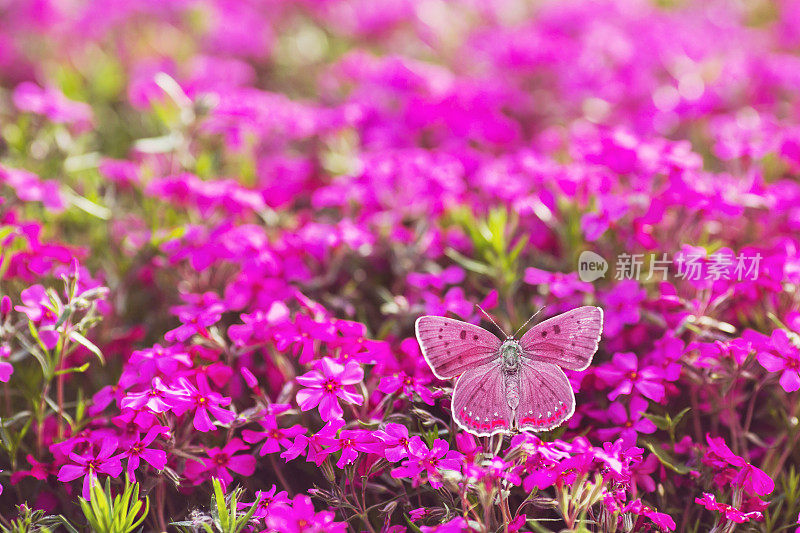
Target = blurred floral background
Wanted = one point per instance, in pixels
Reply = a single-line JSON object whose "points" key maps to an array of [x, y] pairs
{"points": [[219, 220]]}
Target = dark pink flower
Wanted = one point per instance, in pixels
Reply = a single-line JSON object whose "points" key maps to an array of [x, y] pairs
{"points": [[318, 446], [352, 441], [138, 448], [733, 514], [90, 464], [628, 422], [39, 309], [222, 461], [268, 501], [730, 468], [408, 384], [326, 385], [273, 436], [786, 360], [625, 375], [662, 520], [300, 517], [204, 401], [429, 461], [395, 441]]}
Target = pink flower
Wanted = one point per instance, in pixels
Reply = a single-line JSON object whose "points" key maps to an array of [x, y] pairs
{"points": [[221, 462], [90, 465], [204, 401], [621, 307], [787, 359], [273, 436], [200, 312], [408, 384], [430, 461], [625, 375], [39, 309], [267, 503], [752, 479], [326, 385], [629, 422], [662, 520], [733, 514], [138, 449], [52, 103], [395, 441], [352, 441], [300, 517], [158, 399], [318, 446]]}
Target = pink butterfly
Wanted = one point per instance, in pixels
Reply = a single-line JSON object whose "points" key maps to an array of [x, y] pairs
{"points": [[511, 385]]}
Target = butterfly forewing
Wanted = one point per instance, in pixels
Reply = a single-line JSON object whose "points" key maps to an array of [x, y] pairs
{"points": [[568, 340], [451, 346], [545, 397], [480, 402]]}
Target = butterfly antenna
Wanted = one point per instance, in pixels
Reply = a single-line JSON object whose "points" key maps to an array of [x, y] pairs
{"points": [[527, 321], [492, 321]]}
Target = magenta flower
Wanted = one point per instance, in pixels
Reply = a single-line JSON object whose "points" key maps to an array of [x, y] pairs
{"points": [[625, 375], [662, 520], [429, 461], [273, 436], [38, 307], [787, 359], [629, 422], [200, 312], [456, 525], [138, 449], [158, 399], [621, 307], [52, 103], [327, 384], [301, 517], [352, 441], [222, 461], [709, 501], [268, 501], [730, 468], [408, 384], [318, 446], [38, 470], [90, 465], [395, 441], [204, 401]]}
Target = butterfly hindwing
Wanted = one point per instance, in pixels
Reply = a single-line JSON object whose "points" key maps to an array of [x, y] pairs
{"points": [[480, 404], [568, 340], [545, 397], [451, 346]]}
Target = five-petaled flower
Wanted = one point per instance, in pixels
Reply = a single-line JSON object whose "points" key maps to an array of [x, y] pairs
{"points": [[625, 374], [204, 401], [326, 385], [430, 461], [90, 464]]}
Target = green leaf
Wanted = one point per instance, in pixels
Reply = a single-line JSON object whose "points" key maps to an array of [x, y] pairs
{"points": [[661, 422], [666, 458], [89, 345], [677, 418], [73, 370]]}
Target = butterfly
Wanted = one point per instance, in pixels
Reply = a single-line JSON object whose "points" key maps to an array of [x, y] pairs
{"points": [[511, 385]]}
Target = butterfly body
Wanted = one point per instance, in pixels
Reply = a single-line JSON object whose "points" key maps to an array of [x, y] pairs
{"points": [[511, 385], [511, 355]]}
